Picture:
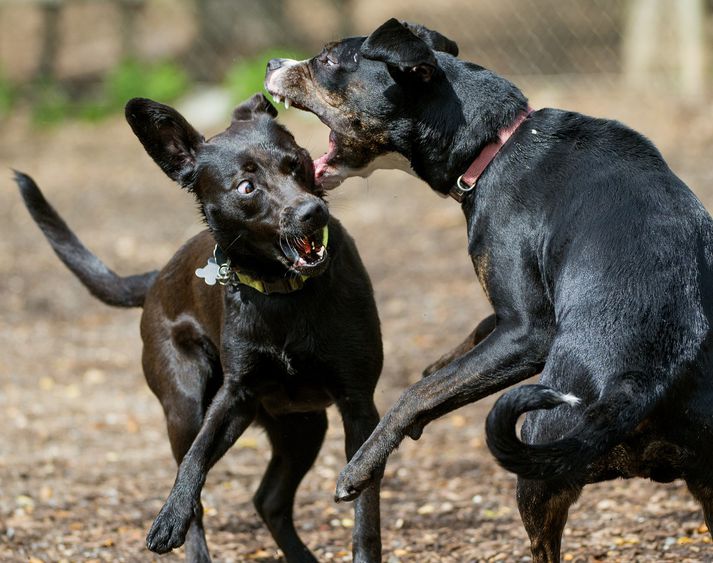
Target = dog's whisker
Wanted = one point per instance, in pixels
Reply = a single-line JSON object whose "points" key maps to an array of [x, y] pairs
{"points": [[287, 250], [282, 245]]}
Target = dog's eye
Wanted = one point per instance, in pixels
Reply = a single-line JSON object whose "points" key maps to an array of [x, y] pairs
{"points": [[245, 187]]}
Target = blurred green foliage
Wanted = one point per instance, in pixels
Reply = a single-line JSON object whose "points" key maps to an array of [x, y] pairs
{"points": [[7, 95], [50, 103], [163, 81], [246, 76]]}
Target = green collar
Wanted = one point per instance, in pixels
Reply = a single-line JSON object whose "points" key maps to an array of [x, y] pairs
{"points": [[220, 270]]}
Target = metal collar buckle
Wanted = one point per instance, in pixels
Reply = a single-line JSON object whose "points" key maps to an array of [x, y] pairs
{"points": [[225, 275], [460, 189]]}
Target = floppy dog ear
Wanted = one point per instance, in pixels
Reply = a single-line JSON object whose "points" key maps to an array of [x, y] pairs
{"points": [[251, 108], [168, 138], [407, 56], [433, 39]]}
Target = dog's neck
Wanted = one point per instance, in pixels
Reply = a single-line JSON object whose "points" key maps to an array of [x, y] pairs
{"points": [[445, 142], [256, 266], [235, 277], [466, 182]]}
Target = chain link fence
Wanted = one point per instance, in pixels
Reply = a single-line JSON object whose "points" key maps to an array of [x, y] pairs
{"points": [[641, 41]]}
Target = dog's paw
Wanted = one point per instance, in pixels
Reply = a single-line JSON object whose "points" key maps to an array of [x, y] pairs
{"points": [[352, 482], [170, 527]]}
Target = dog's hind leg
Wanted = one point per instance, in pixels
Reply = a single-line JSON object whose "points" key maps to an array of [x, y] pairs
{"points": [[543, 508], [703, 493], [296, 440]]}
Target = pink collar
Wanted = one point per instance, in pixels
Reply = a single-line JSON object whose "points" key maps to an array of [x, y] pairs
{"points": [[467, 181]]}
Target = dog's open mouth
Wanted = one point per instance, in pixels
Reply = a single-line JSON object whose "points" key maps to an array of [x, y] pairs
{"points": [[327, 173], [329, 169], [306, 253]]}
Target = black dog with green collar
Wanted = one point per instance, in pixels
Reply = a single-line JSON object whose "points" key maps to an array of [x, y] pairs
{"points": [[293, 330]]}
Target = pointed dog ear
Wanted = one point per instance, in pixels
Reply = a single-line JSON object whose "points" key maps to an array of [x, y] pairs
{"points": [[433, 39], [167, 137], [407, 56], [251, 108]]}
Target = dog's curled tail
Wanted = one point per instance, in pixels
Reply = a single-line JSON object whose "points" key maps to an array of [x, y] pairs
{"points": [[595, 429], [105, 285]]}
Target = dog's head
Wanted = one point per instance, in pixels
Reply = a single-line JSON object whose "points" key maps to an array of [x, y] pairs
{"points": [[368, 91], [254, 184]]}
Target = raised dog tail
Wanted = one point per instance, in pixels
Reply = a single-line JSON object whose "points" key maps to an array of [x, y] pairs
{"points": [[102, 283], [595, 429]]}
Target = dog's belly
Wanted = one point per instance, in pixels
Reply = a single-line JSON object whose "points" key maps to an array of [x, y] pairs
{"points": [[303, 397]]}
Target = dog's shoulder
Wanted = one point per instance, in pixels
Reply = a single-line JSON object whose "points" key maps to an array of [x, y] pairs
{"points": [[191, 255], [177, 283]]}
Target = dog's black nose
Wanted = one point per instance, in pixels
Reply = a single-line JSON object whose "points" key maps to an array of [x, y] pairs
{"points": [[274, 64], [312, 213]]}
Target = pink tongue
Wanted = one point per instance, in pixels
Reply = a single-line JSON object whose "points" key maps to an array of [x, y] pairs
{"points": [[321, 165]]}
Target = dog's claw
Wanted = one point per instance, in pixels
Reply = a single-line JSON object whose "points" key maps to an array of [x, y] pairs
{"points": [[168, 530]]}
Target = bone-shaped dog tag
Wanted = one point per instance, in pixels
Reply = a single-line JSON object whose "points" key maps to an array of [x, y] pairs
{"points": [[209, 272]]}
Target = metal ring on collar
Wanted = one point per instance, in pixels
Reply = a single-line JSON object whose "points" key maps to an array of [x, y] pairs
{"points": [[462, 186]]}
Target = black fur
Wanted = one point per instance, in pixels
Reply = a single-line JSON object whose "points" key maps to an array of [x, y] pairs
{"points": [[601, 425], [406, 55], [433, 39], [220, 358], [597, 259]]}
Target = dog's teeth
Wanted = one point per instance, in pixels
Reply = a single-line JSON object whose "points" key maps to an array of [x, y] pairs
{"points": [[287, 103], [277, 98], [320, 252]]}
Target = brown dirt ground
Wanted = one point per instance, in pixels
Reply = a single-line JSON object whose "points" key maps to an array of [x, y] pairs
{"points": [[84, 461]]}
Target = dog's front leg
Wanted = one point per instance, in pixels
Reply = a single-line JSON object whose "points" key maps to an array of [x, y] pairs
{"points": [[483, 329], [360, 418], [511, 354], [230, 413]]}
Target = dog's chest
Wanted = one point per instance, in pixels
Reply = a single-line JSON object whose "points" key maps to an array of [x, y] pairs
{"points": [[286, 362], [286, 368], [289, 383]]}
